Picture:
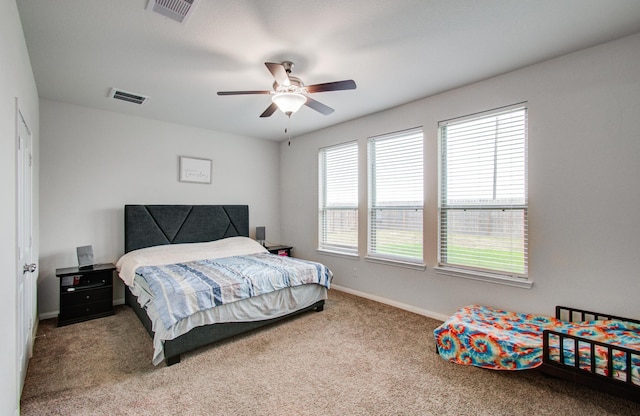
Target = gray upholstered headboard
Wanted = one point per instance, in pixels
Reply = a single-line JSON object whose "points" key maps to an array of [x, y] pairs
{"points": [[154, 225]]}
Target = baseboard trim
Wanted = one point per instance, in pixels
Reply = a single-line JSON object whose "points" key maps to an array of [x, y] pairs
{"points": [[393, 303], [48, 315]]}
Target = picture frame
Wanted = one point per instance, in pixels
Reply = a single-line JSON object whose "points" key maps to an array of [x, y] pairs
{"points": [[195, 170]]}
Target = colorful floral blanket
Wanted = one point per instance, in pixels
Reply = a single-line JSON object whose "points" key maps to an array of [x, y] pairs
{"points": [[182, 289], [502, 340]]}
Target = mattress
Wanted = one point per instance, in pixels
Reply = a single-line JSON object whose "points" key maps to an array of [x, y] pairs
{"points": [[263, 307], [494, 338]]}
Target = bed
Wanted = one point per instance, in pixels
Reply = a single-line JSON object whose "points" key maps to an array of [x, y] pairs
{"points": [[196, 240], [595, 349]]}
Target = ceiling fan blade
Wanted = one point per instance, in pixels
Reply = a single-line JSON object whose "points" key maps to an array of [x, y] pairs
{"points": [[242, 92], [318, 106], [348, 84], [279, 73], [270, 110]]}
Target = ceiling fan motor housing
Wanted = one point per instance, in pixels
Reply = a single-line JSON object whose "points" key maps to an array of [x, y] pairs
{"points": [[296, 85]]}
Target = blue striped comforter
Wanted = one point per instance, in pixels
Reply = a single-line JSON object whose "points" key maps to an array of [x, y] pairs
{"points": [[183, 289]]}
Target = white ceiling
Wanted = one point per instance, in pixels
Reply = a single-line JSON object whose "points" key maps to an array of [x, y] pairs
{"points": [[397, 51]]}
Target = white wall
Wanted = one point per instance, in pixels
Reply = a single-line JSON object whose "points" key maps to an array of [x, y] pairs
{"points": [[94, 162], [584, 188], [16, 80]]}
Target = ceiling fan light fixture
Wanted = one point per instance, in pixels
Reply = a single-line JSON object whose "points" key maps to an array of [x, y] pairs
{"points": [[289, 102]]}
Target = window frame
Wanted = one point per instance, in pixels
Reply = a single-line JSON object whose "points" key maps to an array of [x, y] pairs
{"points": [[322, 244], [373, 205], [473, 272]]}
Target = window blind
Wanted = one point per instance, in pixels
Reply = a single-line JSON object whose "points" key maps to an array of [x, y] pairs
{"points": [[338, 199], [483, 192], [396, 197]]}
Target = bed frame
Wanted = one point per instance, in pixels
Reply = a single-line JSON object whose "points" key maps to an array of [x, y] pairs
{"points": [[588, 377], [153, 225]]}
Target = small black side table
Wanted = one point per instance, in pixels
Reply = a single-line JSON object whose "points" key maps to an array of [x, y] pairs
{"points": [[85, 293], [280, 250]]}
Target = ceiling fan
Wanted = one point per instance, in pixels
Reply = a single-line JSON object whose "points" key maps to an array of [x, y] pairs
{"points": [[289, 92]]}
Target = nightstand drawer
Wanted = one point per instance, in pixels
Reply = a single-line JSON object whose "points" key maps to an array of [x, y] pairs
{"points": [[85, 310], [86, 296]]}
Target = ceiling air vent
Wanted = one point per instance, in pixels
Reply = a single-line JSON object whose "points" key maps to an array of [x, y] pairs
{"points": [[178, 10], [130, 97]]}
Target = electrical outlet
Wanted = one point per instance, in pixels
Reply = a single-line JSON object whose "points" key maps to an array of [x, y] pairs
{"points": [[355, 272]]}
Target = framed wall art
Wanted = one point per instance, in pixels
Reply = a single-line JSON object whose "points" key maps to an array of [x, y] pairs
{"points": [[195, 170]]}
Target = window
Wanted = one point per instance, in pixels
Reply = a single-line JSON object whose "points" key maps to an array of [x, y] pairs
{"points": [[483, 192], [338, 199], [396, 197]]}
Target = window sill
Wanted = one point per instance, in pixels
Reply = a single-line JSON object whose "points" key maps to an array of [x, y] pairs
{"points": [[485, 277], [397, 263], [338, 254]]}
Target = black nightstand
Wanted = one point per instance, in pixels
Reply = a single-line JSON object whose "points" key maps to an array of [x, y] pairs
{"points": [[280, 250], [85, 293]]}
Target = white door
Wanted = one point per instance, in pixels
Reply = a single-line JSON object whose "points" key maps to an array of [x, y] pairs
{"points": [[25, 267]]}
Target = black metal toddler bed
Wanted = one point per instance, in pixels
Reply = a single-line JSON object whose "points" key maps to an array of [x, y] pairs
{"points": [[181, 257], [595, 349], [607, 366]]}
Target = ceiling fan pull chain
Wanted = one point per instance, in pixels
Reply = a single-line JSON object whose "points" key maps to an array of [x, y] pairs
{"points": [[288, 128]]}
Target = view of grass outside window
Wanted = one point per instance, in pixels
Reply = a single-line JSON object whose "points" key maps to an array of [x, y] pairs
{"points": [[396, 197], [338, 187], [483, 192]]}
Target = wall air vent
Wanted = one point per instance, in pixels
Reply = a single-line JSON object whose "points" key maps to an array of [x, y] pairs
{"points": [[178, 10], [130, 97]]}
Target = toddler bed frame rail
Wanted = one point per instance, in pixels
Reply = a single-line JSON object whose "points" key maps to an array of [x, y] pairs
{"points": [[568, 314], [587, 374]]}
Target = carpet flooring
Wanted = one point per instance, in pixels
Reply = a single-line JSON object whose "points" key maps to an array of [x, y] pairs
{"points": [[357, 357]]}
